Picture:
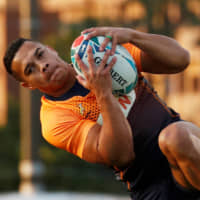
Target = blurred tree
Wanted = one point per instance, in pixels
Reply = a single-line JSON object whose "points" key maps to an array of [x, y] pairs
{"points": [[9, 149], [63, 40], [163, 16]]}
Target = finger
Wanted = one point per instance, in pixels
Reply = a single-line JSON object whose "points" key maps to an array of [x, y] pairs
{"points": [[92, 34], [95, 32], [87, 30], [104, 44], [104, 61], [91, 60], [114, 44], [110, 65], [81, 64]]}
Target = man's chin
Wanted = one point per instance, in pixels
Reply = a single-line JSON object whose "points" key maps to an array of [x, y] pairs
{"points": [[57, 76]]}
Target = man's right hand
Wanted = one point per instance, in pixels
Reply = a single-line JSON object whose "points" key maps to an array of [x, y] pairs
{"points": [[97, 78]]}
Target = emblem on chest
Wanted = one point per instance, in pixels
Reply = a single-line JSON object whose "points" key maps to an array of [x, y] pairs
{"points": [[81, 108], [88, 110]]}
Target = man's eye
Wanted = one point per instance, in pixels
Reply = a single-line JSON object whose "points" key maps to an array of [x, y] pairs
{"points": [[40, 54], [29, 71]]}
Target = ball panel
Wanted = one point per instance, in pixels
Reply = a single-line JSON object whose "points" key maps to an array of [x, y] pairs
{"points": [[82, 50], [95, 40], [78, 41]]}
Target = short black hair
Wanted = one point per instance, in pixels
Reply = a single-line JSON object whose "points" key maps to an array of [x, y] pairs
{"points": [[11, 51]]}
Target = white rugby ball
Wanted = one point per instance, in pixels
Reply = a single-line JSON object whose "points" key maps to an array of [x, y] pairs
{"points": [[124, 73]]}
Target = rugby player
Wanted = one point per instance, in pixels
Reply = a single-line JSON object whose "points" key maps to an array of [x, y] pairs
{"points": [[152, 150]]}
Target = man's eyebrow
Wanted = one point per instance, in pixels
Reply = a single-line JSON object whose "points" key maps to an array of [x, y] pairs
{"points": [[36, 51]]}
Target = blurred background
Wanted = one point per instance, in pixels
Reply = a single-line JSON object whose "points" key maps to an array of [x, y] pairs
{"points": [[28, 164]]}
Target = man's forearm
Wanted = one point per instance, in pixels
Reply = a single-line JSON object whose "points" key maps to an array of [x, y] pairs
{"points": [[162, 50], [115, 140]]}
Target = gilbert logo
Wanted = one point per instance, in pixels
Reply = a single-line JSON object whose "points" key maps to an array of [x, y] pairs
{"points": [[118, 78], [115, 75]]}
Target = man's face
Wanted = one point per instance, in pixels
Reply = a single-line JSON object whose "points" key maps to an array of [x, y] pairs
{"points": [[39, 67]]}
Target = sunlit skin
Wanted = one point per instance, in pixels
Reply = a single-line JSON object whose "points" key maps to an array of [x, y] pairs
{"points": [[37, 66]]}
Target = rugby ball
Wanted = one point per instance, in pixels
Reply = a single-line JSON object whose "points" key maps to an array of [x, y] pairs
{"points": [[124, 72]]}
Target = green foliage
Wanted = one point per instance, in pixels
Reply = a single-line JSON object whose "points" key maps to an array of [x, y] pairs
{"points": [[157, 10], [9, 149], [62, 41], [64, 171]]}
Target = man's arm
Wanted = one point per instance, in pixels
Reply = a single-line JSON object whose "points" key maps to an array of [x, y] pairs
{"points": [[160, 54], [111, 143]]}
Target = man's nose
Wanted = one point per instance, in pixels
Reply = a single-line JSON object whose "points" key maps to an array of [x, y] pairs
{"points": [[45, 67]]}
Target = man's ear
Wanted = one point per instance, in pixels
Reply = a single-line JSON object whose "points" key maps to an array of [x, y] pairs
{"points": [[24, 84]]}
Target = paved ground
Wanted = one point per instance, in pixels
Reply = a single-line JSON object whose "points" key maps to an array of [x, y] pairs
{"points": [[60, 196]]}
